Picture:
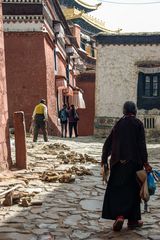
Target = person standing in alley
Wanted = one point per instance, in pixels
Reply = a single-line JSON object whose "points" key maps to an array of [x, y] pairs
{"points": [[127, 146], [40, 118], [63, 115], [73, 120]]}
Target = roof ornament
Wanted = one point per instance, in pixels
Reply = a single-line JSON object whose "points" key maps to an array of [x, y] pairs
{"points": [[91, 4]]}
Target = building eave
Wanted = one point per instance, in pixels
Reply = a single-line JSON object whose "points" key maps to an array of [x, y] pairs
{"points": [[73, 13], [129, 38], [95, 23], [88, 59]]}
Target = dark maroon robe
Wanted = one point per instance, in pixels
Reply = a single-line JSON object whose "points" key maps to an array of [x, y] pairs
{"points": [[127, 147], [126, 142]]}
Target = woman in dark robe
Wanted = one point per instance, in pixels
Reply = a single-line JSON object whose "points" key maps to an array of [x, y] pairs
{"points": [[127, 146]]}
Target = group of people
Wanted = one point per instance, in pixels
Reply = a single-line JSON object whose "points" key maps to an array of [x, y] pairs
{"points": [[68, 118], [124, 153]]}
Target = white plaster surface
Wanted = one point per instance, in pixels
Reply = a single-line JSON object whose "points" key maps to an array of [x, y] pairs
{"points": [[117, 76]]}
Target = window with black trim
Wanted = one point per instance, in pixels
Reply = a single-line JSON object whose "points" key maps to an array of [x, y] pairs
{"points": [[151, 86], [148, 94]]}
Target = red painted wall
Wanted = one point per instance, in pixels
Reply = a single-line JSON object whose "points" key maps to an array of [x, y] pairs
{"points": [[86, 82], [25, 72], [5, 156], [30, 75], [61, 65]]}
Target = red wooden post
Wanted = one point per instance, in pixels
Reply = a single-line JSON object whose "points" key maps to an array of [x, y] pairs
{"points": [[20, 140]]}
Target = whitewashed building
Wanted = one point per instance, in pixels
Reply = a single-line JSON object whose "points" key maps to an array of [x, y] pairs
{"points": [[128, 69]]}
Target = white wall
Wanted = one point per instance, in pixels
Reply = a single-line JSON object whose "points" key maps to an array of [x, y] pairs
{"points": [[117, 75]]}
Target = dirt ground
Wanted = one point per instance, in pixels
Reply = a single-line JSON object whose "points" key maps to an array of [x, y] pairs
{"points": [[59, 196]]}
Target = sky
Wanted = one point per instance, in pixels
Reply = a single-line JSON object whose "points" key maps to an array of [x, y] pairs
{"points": [[130, 17]]}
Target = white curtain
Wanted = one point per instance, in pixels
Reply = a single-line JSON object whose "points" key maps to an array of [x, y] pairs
{"points": [[81, 101]]}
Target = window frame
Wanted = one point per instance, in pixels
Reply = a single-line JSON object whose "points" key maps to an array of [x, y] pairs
{"points": [[143, 101], [151, 88]]}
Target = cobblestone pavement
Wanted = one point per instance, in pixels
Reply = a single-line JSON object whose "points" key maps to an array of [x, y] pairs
{"points": [[69, 210]]}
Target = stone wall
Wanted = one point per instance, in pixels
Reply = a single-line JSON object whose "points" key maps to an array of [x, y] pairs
{"points": [[5, 157], [116, 81]]}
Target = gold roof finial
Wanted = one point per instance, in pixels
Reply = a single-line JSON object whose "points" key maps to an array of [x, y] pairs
{"points": [[87, 4]]}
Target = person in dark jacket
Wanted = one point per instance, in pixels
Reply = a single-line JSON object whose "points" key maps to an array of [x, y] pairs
{"points": [[73, 119], [127, 146], [63, 115]]}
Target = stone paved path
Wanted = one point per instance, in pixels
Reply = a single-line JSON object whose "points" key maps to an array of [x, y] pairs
{"points": [[70, 211]]}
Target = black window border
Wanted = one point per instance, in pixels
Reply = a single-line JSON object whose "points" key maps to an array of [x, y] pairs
{"points": [[151, 76], [147, 102]]}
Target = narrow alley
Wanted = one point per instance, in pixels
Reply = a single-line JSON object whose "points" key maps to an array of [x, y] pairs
{"points": [[60, 195]]}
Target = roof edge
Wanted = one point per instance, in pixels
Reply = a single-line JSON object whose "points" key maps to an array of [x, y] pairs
{"points": [[128, 38]]}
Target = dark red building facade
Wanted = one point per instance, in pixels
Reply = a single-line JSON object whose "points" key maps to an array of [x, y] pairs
{"points": [[38, 48]]}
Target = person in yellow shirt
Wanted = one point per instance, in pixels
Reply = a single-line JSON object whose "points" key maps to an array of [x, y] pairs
{"points": [[40, 118]]}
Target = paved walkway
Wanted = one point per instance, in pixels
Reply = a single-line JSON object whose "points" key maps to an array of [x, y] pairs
{"points": [[69, 211]]}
